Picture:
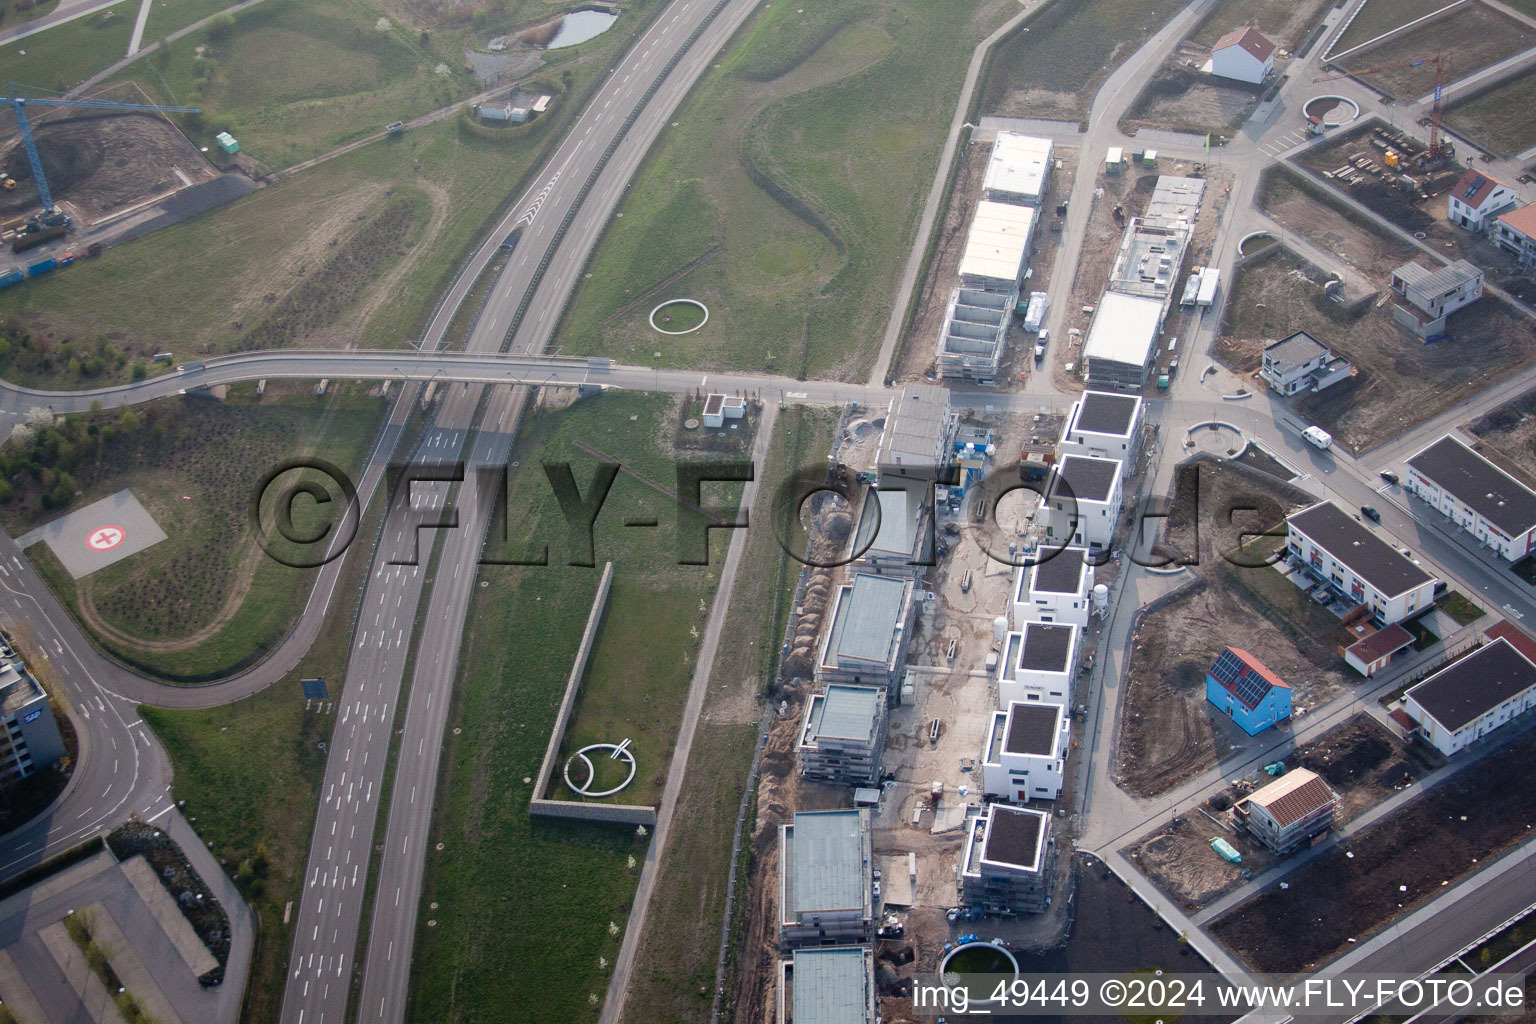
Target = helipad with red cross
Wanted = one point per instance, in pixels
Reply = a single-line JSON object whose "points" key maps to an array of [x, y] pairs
{"points": [[99, 534]]}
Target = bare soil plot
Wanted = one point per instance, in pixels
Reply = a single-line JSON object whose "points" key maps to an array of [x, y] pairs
{"points": [[1363, 763], [1471, 37], [1399, 380], [103, 163], [1437, 839], [1184, 99], [1499, 119], [1168, 733], [1297, 205], [1053, 69], [1507, 435], [1179, 860]]}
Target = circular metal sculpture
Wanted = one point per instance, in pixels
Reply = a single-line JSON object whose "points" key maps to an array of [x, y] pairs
{"points": [[617, 752]]}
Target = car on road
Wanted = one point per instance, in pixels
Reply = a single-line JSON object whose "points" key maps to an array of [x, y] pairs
{"points": [[1390, 478], [1369, 511]]}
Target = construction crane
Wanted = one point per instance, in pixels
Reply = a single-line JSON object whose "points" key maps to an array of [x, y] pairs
{"points": [[51, 215], [1434, 119]]}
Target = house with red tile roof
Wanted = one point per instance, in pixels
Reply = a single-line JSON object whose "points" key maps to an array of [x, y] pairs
{"points": [[1239, 685], [1516, 231], [1476, 199], [1243, 55]]}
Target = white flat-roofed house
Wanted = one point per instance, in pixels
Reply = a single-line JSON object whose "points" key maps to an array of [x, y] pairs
{"points": [[1083, 501], [1477, 200], [1356, 564], [1019, 171], [1024, 753], [996, 249], [825, 879], [1038, 664], [1007, 861], [1059, 588], [1300, 364], [1473, 696], [915, 444], [1495, 508], [1122, 340], [1105, 425]]}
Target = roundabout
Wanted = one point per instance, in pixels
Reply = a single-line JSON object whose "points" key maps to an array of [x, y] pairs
{"points": [[617, 752], [1331, 111], [686, 310]]}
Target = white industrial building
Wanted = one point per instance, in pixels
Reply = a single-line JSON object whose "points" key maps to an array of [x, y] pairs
{"points": [[828, 985], [974, 337], [870, 629], [842, 737], [1122, 341], [1057, 589], [1477, 199], [1473, 696], [1083, 501], [1300, 364], [1007, 861], [1023, 757], [1242, 55], [825, 879], [1104, 425], [1495, 508], [997, 247], [1038, 664], [1019, 171], [1338, 551]]}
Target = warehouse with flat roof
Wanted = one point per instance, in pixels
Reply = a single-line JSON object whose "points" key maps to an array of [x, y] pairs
{"points": [[871, 628], [1495, 508], [1019, 170]]}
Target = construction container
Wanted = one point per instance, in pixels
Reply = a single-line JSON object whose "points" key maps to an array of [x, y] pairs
{"points": [[42, 267], [33, 239], [12, 277], [227, 143]]}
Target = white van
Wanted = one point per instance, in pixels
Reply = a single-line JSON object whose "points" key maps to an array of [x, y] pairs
{"points": [[1318, 437]]}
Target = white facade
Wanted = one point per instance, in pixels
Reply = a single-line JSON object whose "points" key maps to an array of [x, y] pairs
{"points": [[1103, 425], [1042, 593], [1357, 564], [997, 247], [1020, 169], [1244, 56], [1038, 664], [1495, 508], [1025, 760], [1301, 363], [1477, 200], [1472, 697], [1089, 516], [1438, 293]]}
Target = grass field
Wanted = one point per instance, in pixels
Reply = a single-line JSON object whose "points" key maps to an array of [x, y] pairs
{"points": [[206, 601], [250, 773], [771, 201], [293, 79], [673, 977], [1472, 37], [210, 284], [1285, 22], [529, 911], [62, 57], [1053, 69], [1499, 119]]}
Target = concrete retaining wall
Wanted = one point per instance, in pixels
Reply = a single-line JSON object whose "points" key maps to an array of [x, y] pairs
{"points": [[632, 814]]}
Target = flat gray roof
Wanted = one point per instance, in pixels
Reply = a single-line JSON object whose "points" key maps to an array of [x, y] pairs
{"points": [[897, 533], [845, 712], [1474, 481], [1061, 573], [1088, 479], [1014, 836], [831, 986], [1047, 647], [1124, 329], [867, 618], [1436, 282], [828, 870], [915, 427]]}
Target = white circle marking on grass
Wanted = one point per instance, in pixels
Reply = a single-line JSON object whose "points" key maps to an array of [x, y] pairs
{"points": [[686, 302]]}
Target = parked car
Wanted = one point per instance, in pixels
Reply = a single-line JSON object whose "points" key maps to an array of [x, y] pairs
{"points": [[1390, 478], [1369, 511]]}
